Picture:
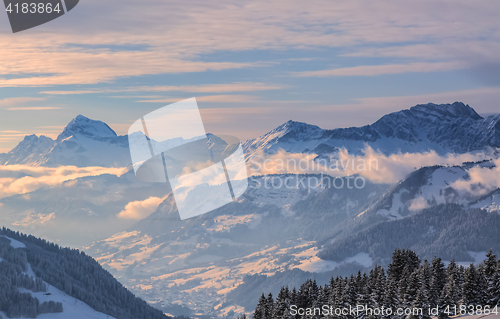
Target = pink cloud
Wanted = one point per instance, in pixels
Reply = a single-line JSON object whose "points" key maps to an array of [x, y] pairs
{"points": [[140, 209]]}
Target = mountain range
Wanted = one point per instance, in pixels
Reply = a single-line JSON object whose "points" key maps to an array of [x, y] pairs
{"points": [[200, 266], [444, 128]]}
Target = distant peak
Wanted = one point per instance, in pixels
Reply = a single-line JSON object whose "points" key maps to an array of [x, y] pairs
{"points": [[454, 110], [30, 137], [292, 124], [80, 118], [82, 125]]}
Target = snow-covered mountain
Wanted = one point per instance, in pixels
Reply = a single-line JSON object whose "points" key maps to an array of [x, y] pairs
{"points": [[431, 186], [445, 128], [83, 142], [440, 210]]}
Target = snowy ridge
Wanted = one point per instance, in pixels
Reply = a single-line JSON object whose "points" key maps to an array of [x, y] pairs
{"points": [[445, 128], [431, 186]]}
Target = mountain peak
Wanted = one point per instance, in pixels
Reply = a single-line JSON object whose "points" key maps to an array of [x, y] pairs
{"points": [[294, 125], [446, 111], [82, 125]]}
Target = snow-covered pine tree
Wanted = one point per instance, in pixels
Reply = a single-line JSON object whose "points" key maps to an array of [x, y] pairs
{"points": [[420, 305], [426, 275], [403, 261], [450, 296], [482, 297], [438, 280], [335, 296], [494, 288], [414, 284], [469, 286], [490, 271], [378, 286], [260, 310], [321, 299], [349, 295], [282, 304], [391, 299], [364, 299], [269, 306], [455, 273]]}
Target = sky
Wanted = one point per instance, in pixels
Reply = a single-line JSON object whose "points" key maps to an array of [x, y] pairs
{"points": [[252, 65]]}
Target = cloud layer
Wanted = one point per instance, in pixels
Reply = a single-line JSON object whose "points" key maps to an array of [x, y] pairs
{"points": [[372, 165], [22, 179]]}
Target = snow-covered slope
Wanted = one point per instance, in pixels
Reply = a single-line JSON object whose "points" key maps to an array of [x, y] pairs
{"points": [[445, 128], [72, 307], [33, 267], [431, 186]]}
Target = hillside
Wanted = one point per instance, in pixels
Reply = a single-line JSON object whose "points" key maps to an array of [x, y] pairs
{"points": [[40, 277]]}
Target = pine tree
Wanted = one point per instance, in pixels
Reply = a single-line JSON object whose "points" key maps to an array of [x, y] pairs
{"points": [[293, 300], [364, 299], [455, 273], [268, 310], [391, 299], [322, 299], [378, 287], [482, 296], [469, 286], [260, 310], [421, 304], [494, 288], [450, 296], [414, 284], [438, 281], [491, 271], [350, 294], [282, 304]]}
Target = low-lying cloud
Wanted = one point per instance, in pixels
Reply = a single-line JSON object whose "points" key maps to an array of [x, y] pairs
{"points": [[371, 164], [22, 179], [482, 180], [140, 209]]}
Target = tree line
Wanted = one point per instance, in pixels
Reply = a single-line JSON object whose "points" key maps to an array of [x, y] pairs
{"points": [[13, 277], [408, 283]]}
